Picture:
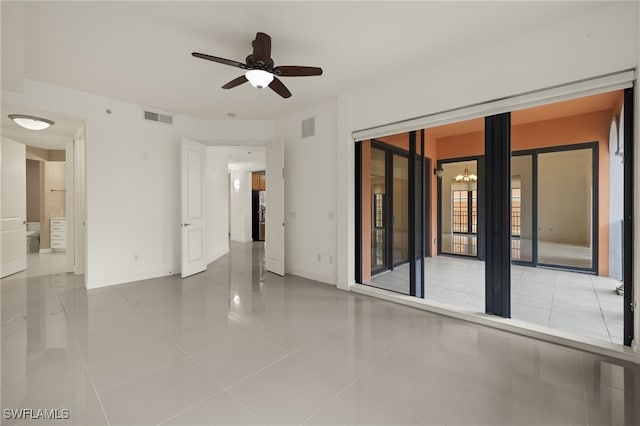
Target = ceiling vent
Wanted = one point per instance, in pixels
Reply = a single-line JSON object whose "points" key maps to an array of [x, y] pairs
{"points": [[160, 118], [309, 127]]}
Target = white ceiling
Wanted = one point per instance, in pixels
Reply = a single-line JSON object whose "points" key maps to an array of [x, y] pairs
{"points": [[141, 51], [55, 137], [246, 158]]}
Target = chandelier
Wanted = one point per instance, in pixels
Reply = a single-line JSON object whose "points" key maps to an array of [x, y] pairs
{"points": [[466, 177]]}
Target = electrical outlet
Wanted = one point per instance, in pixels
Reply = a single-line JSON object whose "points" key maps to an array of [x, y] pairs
{"points": [[135, 256], [319, 258]]}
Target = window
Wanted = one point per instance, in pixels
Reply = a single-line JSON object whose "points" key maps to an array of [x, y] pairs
{"points": [[464, 211]]}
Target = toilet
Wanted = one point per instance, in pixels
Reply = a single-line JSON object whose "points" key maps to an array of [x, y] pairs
{"points": [[33, 237]]}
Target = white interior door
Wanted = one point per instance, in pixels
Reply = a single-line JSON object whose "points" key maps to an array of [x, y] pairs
{"points": [[274, 226], [192, 224], [13, 225], [79, 205]]}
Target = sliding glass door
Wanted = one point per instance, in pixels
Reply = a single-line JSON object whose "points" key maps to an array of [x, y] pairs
{"points": [[566, 209], [554, 207], [400, 218], [379, 258], [459, 208]]}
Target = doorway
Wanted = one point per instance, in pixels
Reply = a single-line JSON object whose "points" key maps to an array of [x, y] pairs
{"points": [[258, 205], [46, 188], [390, 207], [51, 220], [458, 207], [554, 207]]}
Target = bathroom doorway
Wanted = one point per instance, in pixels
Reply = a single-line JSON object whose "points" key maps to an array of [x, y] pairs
{"points": [[51, 167], [46, 189]]}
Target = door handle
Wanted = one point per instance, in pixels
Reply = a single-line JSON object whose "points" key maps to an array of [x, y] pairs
{"points": [[184, 225]]}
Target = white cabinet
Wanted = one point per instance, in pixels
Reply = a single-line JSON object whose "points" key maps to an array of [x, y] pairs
{"points": [[58, 234]]}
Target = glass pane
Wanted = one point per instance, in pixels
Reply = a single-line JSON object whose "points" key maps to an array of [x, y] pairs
{"points": [[400, 209], [522, 208], [459, 208], [378, 206], [565, 208]]}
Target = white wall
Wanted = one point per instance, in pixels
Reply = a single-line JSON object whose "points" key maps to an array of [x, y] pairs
{"points": [[601, 41], [217, 178], [240, 206], [310, 193], [132, 179]]}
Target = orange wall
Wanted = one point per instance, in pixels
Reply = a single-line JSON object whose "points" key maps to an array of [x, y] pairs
{"points": [[591, 127], [400, 140], [457, 146], [430, 152]]}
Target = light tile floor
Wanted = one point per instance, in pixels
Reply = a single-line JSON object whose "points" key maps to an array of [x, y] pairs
{"points": [[237, 345], [39, 264], [582, 304]]}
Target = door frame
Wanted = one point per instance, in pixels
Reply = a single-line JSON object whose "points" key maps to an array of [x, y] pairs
{"points": [[534, 152], [389, 152], [479, 159]]}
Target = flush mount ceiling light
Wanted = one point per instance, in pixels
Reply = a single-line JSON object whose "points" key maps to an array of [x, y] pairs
{"points": [[466, 177], [259, 78], [30, 122]]}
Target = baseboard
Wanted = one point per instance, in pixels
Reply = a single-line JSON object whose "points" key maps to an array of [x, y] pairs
{"points": [[47, 250], [93, 283], [312, 276], [212, 258]]}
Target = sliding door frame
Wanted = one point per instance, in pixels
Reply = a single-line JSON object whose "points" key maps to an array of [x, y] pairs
{"points": [[534, 152], [628, 216], [479, 159], [389, 151]]}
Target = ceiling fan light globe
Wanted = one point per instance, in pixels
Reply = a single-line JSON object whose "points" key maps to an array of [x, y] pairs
{"points": [[259, 78]]}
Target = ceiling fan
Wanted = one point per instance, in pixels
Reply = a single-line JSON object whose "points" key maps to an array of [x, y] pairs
{"points": [[261, 71]]}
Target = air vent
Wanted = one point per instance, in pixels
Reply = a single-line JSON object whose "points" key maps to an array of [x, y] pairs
{"points": [[160, 118], [309, 127]]}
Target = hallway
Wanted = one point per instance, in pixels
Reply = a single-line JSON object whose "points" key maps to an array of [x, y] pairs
{"points": [[239, 345]]}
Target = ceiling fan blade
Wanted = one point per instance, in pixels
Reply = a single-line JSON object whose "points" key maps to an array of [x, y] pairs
{"points": [[235, 82], [220, 60], [262, 48], [295, 71], [277, 86]]}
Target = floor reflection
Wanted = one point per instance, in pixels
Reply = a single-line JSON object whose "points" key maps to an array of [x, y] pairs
{"points": [[236, 344]]}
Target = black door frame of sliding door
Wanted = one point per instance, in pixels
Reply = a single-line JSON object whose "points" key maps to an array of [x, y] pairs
{"points": [[358, 212], [389, 151], [416, 215], [534, 153], [628, 216], [497, 189], [479, 159]]}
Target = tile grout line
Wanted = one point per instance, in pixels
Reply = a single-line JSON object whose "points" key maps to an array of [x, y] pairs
{"points": [[468, 381], [359, 376], [137, 376], [190, 407], [604, 319], [287, 355], [95, 389], [224, 389]]}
